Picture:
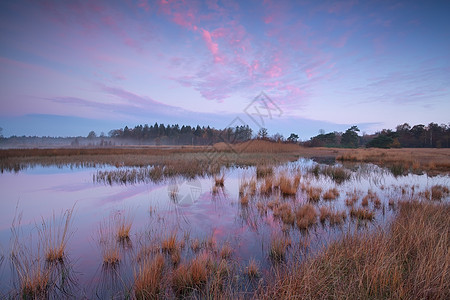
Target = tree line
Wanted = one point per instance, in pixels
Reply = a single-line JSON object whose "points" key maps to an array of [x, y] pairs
{"points": [[161, 134], [404, 136]]}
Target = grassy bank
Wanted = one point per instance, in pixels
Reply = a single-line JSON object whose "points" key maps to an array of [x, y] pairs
{"points": [[255, 152]]}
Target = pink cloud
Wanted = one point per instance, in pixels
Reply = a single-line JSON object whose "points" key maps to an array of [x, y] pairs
{"points": [[213, 47]]}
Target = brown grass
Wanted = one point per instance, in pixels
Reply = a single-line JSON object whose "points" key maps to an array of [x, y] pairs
{"points": [[267, 186], [278, 247], [431, 160], [123, 223], [191, 275], [409, 260], [219, 181], [313, 193], [55, 235], [352, 198], [362, 214], [147, 278], [325, 213], [195, 245], [169, 244], [252, 268], [306, 216], [334, 217], [284, 212], [226, 251], [263, 171], [438, 192], [286, 186], [244, 200], [109, 246], [33, 275], [331, 194]]}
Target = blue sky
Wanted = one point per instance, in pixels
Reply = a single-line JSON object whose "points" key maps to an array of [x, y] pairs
{"points": [[68, 67]]}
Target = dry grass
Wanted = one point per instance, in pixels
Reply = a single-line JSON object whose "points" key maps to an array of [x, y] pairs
{"points": [[252, 268], [173, 192], [266, 187], [219, 181], [226, 251], [287, 187], [169, 244], [244, 200], [263, 171], [433, 161], [55, 235], [191, 275], [438, 192], [331, 194], [362, 214], [33, 275], [325, 213], [334, 217], [284, 212], [409, 260], [306, 216], [109, 246], [365, 201], [313, 193], [252, 187], [147, 278], [195, 245], [337, 217], [123, 222], [352, 197], [278, 247]]}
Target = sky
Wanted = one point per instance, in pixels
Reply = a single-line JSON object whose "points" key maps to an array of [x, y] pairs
{"points": [[69, 67]]}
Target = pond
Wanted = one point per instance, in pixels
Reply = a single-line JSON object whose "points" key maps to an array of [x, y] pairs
{"points": [[240, 216]]}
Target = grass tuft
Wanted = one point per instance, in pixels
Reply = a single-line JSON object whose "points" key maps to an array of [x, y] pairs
{"points": [[306, 216], [362, 214], [147, 278]]}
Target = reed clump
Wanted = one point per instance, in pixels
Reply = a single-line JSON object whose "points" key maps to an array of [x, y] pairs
{"points": [[109, 244], [313, 193], [438, 192], [148, 277], [284, 212], [362, 214], [331, 194], [55, 235], [169, 244], [352, 197], [226, 251], [263, 171], [244, 200], [287, 187], [306, 216], [192, 275], [35, 278], [278, 248], [123, 223], [252, 268]]}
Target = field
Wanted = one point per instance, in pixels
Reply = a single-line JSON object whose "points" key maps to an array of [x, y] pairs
{"points": [[257, 220]]}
